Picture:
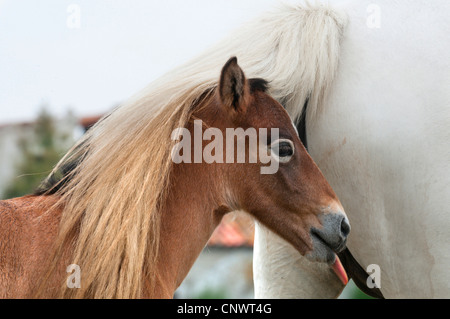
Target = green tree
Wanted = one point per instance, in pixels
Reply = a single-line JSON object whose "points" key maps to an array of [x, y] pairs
{"points": [[39, 154]]}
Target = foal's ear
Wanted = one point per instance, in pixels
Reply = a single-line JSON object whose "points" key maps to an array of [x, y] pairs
{"points": [[233, 86]]}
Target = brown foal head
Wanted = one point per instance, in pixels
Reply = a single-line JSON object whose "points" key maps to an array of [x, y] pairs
{"points": [[293, 199]]}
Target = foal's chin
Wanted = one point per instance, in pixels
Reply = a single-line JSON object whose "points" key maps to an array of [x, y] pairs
{"points": [[321, 252]]}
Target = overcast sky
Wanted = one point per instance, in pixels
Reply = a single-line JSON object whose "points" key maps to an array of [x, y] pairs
{"points": [[90, 55]]}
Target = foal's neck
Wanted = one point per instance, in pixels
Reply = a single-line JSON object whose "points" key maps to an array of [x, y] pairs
{"points": [[193, 209]]}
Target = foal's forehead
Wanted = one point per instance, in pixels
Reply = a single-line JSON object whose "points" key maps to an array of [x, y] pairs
{"points": [[266, 112]]}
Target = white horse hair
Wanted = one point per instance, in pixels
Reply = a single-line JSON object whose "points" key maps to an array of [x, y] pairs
{"points": [[298, 64]]}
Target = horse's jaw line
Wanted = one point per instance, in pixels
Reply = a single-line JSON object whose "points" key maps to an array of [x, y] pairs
{"points": [[339, 270]]}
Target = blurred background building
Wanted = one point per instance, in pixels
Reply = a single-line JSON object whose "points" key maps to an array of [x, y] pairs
{"points": [[29, 150]]}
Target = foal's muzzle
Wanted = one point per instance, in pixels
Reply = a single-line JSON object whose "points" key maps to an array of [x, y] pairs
{"points": [[329, 239]]}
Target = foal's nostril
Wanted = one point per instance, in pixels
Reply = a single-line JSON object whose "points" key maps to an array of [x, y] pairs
{"points": [[345, 227]]}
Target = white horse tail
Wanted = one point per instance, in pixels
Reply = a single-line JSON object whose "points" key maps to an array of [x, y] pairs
{"points": [[308, 53]]}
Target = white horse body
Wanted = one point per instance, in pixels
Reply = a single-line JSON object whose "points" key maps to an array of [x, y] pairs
{"points": [[382, 139]]}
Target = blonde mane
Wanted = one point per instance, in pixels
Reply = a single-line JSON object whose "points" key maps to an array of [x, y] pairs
{"points": [[112, 199]]}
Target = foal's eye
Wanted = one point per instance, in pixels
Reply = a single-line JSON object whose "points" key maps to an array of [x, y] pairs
{"points": [[283, 150]]}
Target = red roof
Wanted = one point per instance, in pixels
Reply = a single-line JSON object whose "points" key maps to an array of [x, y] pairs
{"points": [[235, 230], [89, 121]]}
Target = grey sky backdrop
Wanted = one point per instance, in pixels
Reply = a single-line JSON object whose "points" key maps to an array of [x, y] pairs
{"points": [[118, 48]]}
